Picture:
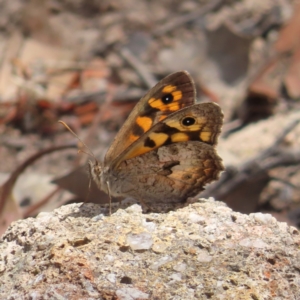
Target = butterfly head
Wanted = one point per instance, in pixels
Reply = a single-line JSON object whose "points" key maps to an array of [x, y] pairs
{"points": [[96, 172]]}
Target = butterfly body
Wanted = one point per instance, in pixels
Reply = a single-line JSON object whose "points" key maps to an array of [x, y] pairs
{"points": [[165, 151]]}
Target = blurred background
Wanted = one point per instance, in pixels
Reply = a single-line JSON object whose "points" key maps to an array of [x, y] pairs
{"points": [[88, 63]]}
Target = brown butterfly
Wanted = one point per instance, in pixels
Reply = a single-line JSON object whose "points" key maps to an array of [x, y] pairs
{"points": [[165, 151]]}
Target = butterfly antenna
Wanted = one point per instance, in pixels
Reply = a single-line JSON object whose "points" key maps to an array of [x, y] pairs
{"points": [[90, 153]]}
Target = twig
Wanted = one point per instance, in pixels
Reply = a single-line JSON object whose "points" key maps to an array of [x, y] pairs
{"points": [[181, 20], [280, 139], [267, 153], [6, 188], [283, 158], [255, 167], [288, 183], [130, 94], [140, 68], [33, 208]]}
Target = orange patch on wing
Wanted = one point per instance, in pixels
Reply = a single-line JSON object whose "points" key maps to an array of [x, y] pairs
{"points": [[162, 117], [158, 138], [144, 122], [139, 149], [136, 151], [173, 106], [133, 137], [205, 136], [169, 89], [155, 103], [179, 137], [177, 95]]}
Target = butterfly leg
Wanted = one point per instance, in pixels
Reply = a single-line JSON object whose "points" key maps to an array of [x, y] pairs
{"points": [[109, 196]]}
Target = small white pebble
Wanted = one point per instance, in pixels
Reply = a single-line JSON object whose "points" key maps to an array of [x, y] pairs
{"points": [[109, 258], [262, 218], [43, 215], [142, 241], [98, 218], [135, 208], [111, 278], [39, 278], [160, 262], [35, 295], [259, 244], [195, 218], [176, 277], [203, 256], [131, 293], [150, 226], [181, 267], [256, 243]]}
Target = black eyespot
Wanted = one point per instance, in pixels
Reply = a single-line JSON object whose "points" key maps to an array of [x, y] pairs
{"points": [[188, 121], [168, 98]]}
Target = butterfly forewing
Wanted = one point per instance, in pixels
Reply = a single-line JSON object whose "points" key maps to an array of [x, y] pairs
{"points": [[170, 95]]}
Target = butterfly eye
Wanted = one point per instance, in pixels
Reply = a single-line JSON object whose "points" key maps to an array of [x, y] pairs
{"points": [[168, 98], [188, 121]]}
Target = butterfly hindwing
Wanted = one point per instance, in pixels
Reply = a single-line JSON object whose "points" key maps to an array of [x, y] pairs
{"points": [[170, 174], [200, 122]]}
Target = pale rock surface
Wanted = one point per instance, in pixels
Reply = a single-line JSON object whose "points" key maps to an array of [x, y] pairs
{"points": [[258, 137], [202, 251]]}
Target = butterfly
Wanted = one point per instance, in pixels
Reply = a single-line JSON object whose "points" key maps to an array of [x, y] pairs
{"points": [[165, 151]]}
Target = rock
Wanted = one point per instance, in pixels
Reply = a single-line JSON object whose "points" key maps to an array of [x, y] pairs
{"points": [[202, 251]]}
